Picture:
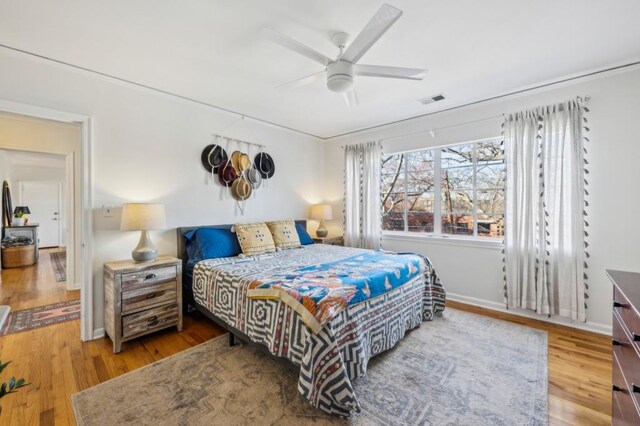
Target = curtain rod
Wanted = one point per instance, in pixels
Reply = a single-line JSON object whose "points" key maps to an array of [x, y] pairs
{"points": [[432, 131]]}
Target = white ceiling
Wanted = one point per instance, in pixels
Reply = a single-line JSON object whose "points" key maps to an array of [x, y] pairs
{"points": [[210, 50]]}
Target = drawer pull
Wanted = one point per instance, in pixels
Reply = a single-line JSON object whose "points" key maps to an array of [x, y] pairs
{"points": [[636, 337], [615, 342], [616, 389], [150, 296], [153, 318], [617, 305], [635, 388], [150, 276]]}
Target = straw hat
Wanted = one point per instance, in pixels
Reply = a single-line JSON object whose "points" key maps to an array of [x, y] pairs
{"points": [[240, 161], [241, 189]]}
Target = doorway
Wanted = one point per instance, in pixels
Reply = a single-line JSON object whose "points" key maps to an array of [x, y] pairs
{"points": [[76, 226], [34, 282]]}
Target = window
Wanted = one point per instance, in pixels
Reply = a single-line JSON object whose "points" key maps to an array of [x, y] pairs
{"points": [[454, 190]]}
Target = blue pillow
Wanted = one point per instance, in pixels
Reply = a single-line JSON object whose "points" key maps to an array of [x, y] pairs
{"points": [[305, 238], [212, 243]]}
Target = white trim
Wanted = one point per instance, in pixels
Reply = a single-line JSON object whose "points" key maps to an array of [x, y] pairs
{"points": [[489, 243], [500, 307], [98, 333], [86, 237]]}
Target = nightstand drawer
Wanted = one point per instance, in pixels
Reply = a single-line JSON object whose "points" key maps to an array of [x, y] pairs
{"points": [[148, 296], [141, 298], [143, 322], [144, 278]]}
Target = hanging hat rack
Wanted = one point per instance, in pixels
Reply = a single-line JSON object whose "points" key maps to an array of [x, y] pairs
{"points": [[238, 172]]}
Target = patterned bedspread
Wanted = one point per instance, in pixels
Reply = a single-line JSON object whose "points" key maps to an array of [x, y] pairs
{"points": [[338, 353], [320, 291]]}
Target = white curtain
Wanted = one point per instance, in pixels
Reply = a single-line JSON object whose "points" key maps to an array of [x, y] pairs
{"points": [[362, 195], [544, 223]]}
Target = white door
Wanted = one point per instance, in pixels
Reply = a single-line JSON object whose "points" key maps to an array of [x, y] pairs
{"points": [[43, 200]]}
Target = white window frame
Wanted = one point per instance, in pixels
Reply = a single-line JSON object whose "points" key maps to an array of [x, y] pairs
{"points": [[437, 205]]}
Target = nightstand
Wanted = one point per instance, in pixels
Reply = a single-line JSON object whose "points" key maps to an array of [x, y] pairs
{"points": [[333, 241], [141, 298]]}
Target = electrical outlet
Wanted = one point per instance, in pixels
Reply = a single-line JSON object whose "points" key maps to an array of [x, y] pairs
{"points": [[107, 211]]}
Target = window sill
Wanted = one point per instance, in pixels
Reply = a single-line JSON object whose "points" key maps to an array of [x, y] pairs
{"points": [[489, 243]]}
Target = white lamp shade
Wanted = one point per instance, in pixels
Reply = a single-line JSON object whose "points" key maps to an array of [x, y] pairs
{"points": [[142, 217], [321, 211]]}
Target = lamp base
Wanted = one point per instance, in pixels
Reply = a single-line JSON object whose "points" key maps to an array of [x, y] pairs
{"points": [[145, 251], [321, 232]]}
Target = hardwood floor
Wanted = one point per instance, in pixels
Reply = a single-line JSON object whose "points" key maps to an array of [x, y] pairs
{"points": [[36, 285], [57, 365], [579, 370]]}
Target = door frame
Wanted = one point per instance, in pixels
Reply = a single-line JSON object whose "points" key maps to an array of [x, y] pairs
{"points": [[60, 206], [82, 239]]}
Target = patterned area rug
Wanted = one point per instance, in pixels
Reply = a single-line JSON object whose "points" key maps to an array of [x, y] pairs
{"points": [[462, 369], [41, 316], [59, 263]]}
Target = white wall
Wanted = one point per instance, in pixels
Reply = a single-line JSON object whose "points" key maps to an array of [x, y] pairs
{"points": [[146, 147], [474, 274], [22, 173]]}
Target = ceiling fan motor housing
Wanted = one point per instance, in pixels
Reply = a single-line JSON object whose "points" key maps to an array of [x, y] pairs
{"points": [[340, 76]]}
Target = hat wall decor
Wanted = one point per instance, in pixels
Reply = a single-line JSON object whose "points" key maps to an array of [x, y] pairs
{"points": [[238, 169]]}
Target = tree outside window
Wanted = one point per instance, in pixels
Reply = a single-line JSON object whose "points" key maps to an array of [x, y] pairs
{"points": [[456, 190]]}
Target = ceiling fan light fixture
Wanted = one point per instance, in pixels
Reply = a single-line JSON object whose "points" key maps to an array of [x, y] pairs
{"points": [[340, 83], [340, 76]]}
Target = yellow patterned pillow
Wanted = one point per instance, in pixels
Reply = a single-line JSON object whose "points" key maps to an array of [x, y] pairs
{"points": [[254, 238], [284, 234]]}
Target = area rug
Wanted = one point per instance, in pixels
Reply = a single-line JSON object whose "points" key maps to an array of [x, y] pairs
{"points": [[59, 263], [41, 316], [461, 369]]}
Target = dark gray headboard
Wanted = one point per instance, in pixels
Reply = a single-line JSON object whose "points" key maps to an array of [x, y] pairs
{"points": [[182, 247]]}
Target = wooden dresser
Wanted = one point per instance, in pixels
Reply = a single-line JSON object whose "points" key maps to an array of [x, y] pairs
{"points": [[626, 347], [141, 297]]}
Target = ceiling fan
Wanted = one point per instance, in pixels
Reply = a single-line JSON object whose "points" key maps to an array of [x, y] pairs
{"points": [[340, 72]]}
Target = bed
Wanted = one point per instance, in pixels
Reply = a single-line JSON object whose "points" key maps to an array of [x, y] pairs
{"points": [[332, 350]]}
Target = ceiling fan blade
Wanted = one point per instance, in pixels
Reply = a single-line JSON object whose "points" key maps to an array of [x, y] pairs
{"points": [[390, 72], [291, 44], [377, 26], [302, 81], [351, 98]]}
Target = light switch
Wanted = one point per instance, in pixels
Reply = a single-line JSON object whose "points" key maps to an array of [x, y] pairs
{"points": [[107, 211]]}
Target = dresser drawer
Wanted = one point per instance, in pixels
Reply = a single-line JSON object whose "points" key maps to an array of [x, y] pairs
{"points": [[624, 412], [630, 318], [627, 356], [148, 296], [135, 280], [150, 320]]}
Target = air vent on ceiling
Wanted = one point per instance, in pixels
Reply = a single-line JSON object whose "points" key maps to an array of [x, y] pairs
{"points": [[432, 99]]}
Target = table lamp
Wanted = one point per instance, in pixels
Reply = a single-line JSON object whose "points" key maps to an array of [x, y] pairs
{"points": [[321, 212], [143, 217], [21, 212]]}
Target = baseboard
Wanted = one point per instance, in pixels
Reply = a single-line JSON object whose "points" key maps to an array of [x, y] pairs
{"points": [[98, 333], [77, 286], [496, 306]]}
